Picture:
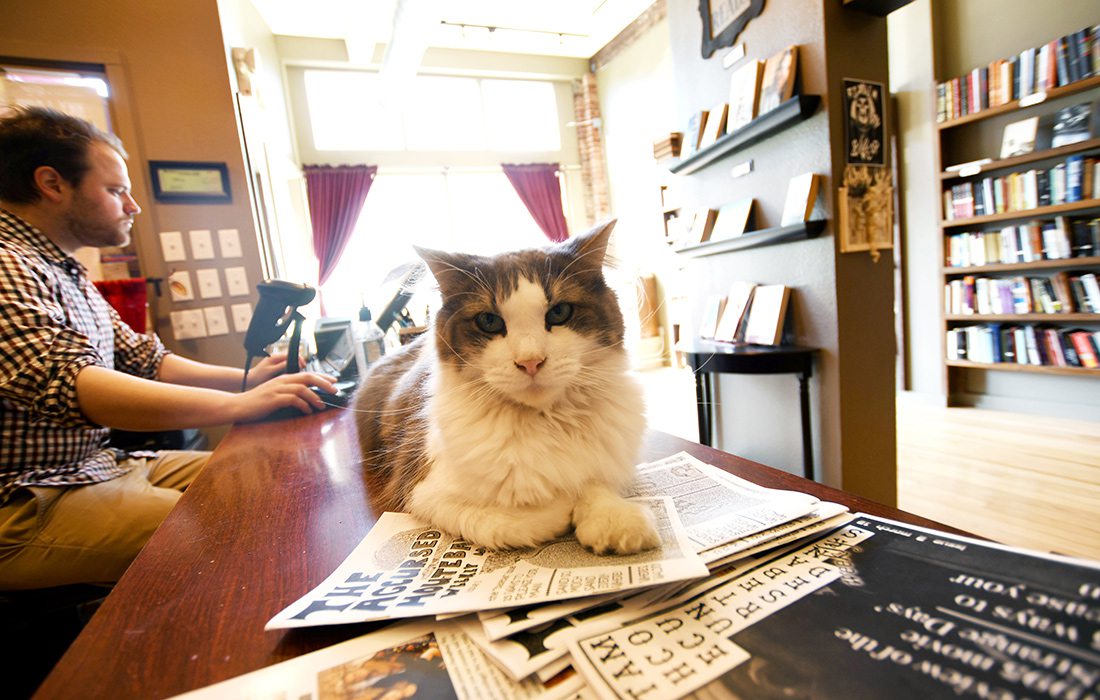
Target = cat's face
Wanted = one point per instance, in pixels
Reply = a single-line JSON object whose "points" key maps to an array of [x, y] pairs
{"points": [[529, 325]]}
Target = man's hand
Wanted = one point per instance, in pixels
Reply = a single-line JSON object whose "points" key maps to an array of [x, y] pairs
{"points": [[268, 368], [282, 391]]}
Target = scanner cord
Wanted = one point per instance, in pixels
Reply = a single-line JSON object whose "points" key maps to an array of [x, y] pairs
{"points": [[247, 364]]}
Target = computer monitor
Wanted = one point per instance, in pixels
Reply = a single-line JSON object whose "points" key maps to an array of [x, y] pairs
{"points": [[338, 358]]}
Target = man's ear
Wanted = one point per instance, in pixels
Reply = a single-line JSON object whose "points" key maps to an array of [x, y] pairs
{"points": [[50, 184]]}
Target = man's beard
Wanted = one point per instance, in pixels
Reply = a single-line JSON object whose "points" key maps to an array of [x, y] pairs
{"points": [[96, 232]]}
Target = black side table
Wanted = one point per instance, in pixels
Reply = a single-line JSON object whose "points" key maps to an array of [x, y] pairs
{"points": [[707, 358]]}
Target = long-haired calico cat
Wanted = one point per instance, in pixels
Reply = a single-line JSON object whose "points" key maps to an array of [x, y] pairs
{"points": [[513, 418]]}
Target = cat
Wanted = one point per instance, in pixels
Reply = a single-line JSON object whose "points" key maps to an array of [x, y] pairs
{"points": [[514, 418]]}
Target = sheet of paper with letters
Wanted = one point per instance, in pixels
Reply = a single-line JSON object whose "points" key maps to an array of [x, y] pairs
{"points": [[716, 507], [404, 568]]}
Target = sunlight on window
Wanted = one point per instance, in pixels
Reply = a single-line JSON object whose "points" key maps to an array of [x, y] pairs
{"points": [[521, 115], [444, 114], [346, 113], [463, 212]]}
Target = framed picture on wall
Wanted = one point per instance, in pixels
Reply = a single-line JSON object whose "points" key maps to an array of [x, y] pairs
{"points": [[724, 20], [187, 182]]}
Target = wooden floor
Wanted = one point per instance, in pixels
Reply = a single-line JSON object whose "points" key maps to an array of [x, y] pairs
{"points": [[1022, 480]]}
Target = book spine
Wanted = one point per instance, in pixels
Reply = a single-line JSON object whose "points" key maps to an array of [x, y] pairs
{"points": [[1061, 62], [1086, 354], [1075, 178]]}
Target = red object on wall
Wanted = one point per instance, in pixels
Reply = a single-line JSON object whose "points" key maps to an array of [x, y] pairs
{"points": [[128, 297]]}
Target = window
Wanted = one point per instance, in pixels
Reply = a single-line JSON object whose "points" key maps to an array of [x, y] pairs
{"points": [[79, 94], [444, 114], [521, 115], [475, 212], [348, 112]]}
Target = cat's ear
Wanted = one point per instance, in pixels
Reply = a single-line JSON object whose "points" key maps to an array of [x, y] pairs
{"points": [[590, 247], [447, 268]]}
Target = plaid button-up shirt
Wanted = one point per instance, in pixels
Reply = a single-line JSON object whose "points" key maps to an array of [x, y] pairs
{"points": [[53, 323]]}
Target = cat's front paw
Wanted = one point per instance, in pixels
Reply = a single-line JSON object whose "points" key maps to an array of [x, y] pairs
{"points": [[618, 528], [515, 529]]}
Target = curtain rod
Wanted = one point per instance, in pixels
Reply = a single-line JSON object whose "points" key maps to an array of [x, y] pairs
{"points": [[444, 169]]}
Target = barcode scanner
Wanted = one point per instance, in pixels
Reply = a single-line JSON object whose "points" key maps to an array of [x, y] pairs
{"points": [[276, 310]]}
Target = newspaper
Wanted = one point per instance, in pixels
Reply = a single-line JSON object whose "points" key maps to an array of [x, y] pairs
{"points": [[499, 624], [413, 659], [404, 568], [716, 507], [874, 609]]}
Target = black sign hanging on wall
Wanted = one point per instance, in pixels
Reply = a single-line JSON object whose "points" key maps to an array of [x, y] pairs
{"points": [[723, 20], [864, 123]]}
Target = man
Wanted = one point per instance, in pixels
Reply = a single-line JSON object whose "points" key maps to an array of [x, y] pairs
{"points": [[71, 510]]}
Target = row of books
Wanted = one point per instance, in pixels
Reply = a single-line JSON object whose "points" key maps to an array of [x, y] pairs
{"points": [[1034, 70], [1060, 293], [1041, 239], [1073, 180], [750, 313], [1026, 344], [755, 89]]}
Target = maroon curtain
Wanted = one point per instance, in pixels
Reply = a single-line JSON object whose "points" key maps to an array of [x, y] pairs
{"points": [[336, 196], [538, 187]]}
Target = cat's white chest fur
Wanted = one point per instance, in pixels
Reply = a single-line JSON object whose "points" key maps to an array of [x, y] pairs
{"points": [[508, 454]]}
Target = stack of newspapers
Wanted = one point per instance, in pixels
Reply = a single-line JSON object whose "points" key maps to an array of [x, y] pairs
{"points": [[753, 593]]}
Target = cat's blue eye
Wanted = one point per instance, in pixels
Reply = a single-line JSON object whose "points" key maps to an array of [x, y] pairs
{"points": [[559, 313], [489, 323]]}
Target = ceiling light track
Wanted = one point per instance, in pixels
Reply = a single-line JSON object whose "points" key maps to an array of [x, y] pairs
{"points": [[463, 26]]}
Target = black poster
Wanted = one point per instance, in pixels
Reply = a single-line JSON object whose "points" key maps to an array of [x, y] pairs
{"points": [[864, 122]]}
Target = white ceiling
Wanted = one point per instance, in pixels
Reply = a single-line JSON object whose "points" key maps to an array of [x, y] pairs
{"points": [[575, 28]]}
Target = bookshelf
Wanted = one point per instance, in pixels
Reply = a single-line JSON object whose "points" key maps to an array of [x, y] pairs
{"points": [[1012, 266]]}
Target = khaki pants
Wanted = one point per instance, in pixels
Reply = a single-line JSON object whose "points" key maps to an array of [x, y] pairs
{"points": [[59, 535]]}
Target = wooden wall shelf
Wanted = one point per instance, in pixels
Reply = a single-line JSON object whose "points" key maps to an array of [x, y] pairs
{"points": [[1053, 210], [786, 115], [1023, 318], [1014, 106], [1034, 369], [1054, 264], [755, 239], [1006, 163]]}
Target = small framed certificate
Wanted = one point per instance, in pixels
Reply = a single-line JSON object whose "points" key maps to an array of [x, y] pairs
{"points": [[188, 182]]}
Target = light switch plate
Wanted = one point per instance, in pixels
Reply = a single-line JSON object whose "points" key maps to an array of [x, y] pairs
{"points": [[236, 281], [216, 323], [242, 315], [210, 284]]}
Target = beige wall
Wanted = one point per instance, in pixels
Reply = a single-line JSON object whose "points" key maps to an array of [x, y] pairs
{"points": [[934, 41], [172, 101]]}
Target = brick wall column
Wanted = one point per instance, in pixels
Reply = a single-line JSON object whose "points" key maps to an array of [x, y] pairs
{"points": [[586, 108]]}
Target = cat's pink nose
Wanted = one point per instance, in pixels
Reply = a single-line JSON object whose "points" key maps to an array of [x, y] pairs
{"points": [[530, 366]]}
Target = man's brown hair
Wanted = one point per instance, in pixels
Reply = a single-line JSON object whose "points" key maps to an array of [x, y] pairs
{"points": [[32, 137]]}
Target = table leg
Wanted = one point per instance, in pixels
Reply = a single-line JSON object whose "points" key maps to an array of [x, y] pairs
{"points": [[807, 438], [703, 401]]}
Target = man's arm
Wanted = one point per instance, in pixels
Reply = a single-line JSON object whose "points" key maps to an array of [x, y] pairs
{"points": [[175, 369], [119, 400]]}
